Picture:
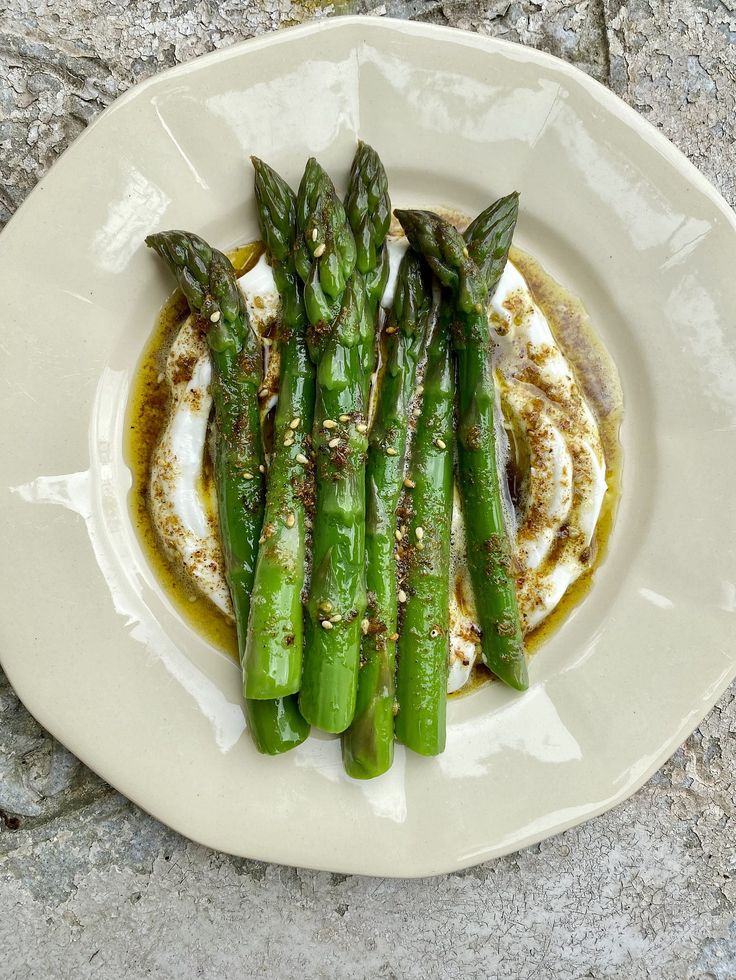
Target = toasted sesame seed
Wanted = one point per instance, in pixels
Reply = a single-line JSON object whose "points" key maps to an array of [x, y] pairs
{"points": [[440, 443], [420, 546], [248, 476], [334, 443], [409, 484], [261, 468], [326, 624], [365, 626], [295, 423], [417, 412], [301, 458], [401, 596], [289, 440], [290, 520], [362, 428], [337, 618], [394, 637], [215, 317], [330, 424], [264, 392], [391, 451], [390, 330], [420, 389], [320, 250], [344, 418], [419, 531], [398, 535], [314, 234]]}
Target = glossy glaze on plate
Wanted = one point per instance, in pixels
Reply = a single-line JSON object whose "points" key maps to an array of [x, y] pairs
{"points": [[612, 210]]}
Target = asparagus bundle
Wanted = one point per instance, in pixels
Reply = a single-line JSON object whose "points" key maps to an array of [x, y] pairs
{"points": [[466, 272], [208, 282], [368, 743], [335, 304], [273, 654]]}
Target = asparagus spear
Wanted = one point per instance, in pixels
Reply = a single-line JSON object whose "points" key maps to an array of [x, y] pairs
{"points": [[367, 746], [273, 653], [208, 282], [335, 304], [423, 649], [368, 208], [466, 275]]}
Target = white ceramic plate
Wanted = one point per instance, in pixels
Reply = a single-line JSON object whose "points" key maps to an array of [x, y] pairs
{"points": [[89, 639]]}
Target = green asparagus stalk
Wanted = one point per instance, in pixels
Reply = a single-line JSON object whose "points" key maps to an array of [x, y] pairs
{"points": [[423, 649], [208, 282], [273, 653], [466, 271], [367, 746], [368, 208], [277, 725], [335, 303]]}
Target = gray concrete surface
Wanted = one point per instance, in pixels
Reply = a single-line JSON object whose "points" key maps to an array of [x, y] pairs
{"points": [[92, 887]]}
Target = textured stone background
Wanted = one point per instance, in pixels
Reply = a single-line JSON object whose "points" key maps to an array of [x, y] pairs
{"points": [[91, 886]]}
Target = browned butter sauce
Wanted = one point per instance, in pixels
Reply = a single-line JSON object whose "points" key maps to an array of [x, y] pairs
{"points": [[149, 405]]}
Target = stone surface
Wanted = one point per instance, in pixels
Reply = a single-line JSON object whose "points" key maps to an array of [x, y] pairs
{"points": [[92, 886]]}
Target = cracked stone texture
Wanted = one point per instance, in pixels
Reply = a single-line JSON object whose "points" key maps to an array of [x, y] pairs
{"points": [[92, 886]]}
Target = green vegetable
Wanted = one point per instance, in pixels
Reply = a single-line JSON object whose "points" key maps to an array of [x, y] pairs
{"points": [[367, 746], [273, 654], [276, 726], [468, 272], [335, 304], [423, 650], [368, 208], [208, 282]]}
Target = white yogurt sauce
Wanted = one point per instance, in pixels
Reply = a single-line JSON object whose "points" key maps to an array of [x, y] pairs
{"points": [[564, 491]]}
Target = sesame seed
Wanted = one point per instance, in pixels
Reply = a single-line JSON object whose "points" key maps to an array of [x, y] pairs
{"points": [[248, 476], [420, 546], [391, 451], [417, 412], [344, 418], [215, 317], [263, 392], [295, 423], [420, 389], [390, 330], [466, 253], [409, 484], [314, 234], [337, 618], [290, 520], [362, 428], [289, 440], [261, 468], [440, 443], [419, 531], [301, 458], [326, 624], [334, 443], [398, 535], [401, 596], [330, 424], [394, 637], [320, 250], [365, 626]]}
